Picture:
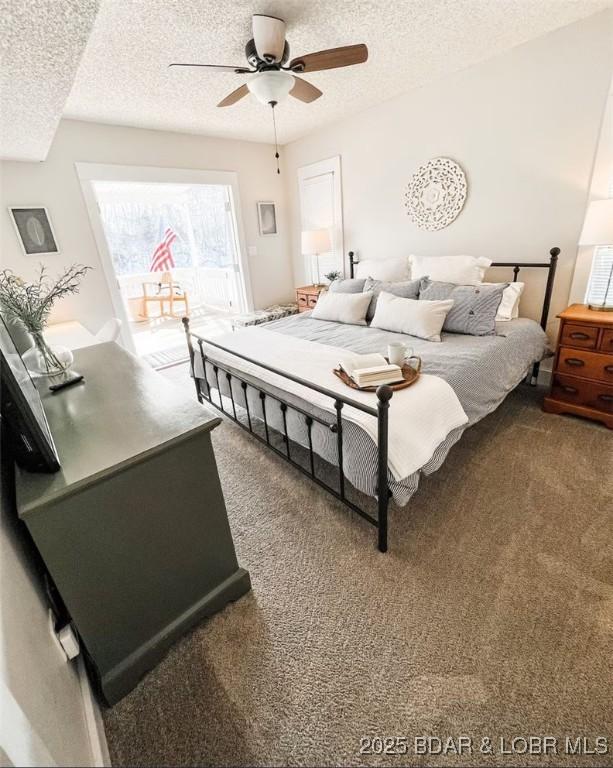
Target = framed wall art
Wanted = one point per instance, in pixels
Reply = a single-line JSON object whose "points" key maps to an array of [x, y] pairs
{"points": [[267, 218], [34, 231]]}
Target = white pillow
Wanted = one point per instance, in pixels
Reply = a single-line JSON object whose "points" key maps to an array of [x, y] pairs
{"points": [[461, 270], [389, 270], [509, 306], [342, 307], [417, 317]]}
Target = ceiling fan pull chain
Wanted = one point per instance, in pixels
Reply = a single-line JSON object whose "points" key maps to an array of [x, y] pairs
{"points": [[273, 104]]}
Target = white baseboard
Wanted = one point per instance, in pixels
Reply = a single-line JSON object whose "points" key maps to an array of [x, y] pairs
{"points": [[20, 744], [93, 720]]}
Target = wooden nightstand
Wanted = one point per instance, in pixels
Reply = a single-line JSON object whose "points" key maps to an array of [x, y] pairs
{"points": [[307, 296], [582, 381]]}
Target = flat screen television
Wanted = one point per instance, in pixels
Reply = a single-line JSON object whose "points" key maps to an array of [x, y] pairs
{"points": [[22, 411]]}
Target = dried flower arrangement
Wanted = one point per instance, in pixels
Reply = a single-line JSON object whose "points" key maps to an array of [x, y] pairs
{"points": [[31, 303]]}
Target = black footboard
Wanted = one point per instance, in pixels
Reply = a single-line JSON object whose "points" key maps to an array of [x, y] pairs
{"points": [[237, 400]]}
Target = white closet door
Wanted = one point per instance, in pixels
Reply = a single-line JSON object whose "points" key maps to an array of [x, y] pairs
{"points": [[321, 208]]}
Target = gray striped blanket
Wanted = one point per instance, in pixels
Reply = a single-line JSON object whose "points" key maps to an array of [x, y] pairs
{"points": [[482, 370]]}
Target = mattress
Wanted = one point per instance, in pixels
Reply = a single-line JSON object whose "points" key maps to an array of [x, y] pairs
{"points": [[482, 370]]}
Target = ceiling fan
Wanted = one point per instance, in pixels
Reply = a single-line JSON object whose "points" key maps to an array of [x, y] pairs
{"points": [[267, 54], [273, 77]]}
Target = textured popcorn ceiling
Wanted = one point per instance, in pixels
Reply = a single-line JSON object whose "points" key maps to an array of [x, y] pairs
{"points": [[123, 77], [41, 42]]}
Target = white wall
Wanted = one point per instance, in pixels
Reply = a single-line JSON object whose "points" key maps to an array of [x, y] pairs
{"points": [[42, 718], [54, 184], [599, 189], [524, 126]]}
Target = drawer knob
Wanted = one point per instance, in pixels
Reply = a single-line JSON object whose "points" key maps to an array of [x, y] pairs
{"points": [[608, 368], [574, 361], [578, 335], [570, 390], [606, 398]]}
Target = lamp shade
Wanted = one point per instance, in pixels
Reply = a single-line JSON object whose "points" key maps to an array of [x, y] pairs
{"points": [[316, 241], [598, 224], [271, 86]]}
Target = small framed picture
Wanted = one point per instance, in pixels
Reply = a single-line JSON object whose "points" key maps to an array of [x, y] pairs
{"points": [[267, 218], [34, 231]]}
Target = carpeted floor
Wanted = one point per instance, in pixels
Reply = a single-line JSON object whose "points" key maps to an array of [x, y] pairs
{"points": [[491, 615]]}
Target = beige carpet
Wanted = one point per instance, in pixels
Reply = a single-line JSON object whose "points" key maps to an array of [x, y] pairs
{"points": [[491, 615]]}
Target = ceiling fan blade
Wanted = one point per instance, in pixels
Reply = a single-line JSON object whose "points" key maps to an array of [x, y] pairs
{"points": [[233, 97], [218, 67], [304, 91], [330, 59], [269, 37]]}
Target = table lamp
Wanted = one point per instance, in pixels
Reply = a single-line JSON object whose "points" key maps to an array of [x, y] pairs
{"points": [[314, 243], [598, 230]]}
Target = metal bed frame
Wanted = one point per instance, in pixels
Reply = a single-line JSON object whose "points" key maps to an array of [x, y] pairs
{"points": [[204, 391], [550, 266]]}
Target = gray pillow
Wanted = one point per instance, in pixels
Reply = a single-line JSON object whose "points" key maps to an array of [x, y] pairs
{"points": [[350, 285], [474, 306], [408, 289]]}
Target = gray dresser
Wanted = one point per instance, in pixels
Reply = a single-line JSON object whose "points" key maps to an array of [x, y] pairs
{"points": [[133, 529]]}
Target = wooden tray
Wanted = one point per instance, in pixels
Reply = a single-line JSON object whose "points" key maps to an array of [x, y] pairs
{"points": [[410, 377]]}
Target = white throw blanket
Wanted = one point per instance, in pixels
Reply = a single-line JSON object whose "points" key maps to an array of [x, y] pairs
{"points": [[420, 417]]}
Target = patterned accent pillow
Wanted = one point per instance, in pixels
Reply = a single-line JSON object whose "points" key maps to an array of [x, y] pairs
{"points": [[409, 289], [474, 306], [350, 285], [509, 306]]}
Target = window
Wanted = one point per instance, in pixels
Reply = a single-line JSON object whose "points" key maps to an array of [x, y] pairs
{"points": [[600, 286], [600, 277], [185, 229], [135, 217]]}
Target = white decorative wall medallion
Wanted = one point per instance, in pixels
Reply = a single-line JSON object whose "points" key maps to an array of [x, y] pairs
{"points": [[436, 193]]}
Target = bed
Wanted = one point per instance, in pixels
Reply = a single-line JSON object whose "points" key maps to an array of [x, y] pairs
{"points": [[286, 407]]}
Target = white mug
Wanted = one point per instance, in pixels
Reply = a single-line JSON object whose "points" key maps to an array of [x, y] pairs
{"points": [[397, 352]]}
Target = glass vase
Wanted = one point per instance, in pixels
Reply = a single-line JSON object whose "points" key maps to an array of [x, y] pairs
{"points": [[44, 360]]}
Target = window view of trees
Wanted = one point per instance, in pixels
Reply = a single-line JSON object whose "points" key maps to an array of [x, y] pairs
{"points": [[135, 217]]}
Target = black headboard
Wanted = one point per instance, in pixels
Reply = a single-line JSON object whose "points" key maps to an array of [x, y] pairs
{"points": [[549, 265]]}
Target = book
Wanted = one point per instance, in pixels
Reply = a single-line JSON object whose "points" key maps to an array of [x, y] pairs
{"points": [[370, 370], [369, 379], [351, 361]]}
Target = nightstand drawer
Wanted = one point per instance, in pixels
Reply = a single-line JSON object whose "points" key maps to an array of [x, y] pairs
{"points": [[307, 296], [589, 394], [579, 336], [591, 365], [606, 343]]}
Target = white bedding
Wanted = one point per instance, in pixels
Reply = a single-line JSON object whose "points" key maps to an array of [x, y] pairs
{"points": [[420, 417]]}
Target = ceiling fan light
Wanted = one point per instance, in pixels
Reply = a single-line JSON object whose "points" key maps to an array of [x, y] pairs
{"points": [[271, 86]]}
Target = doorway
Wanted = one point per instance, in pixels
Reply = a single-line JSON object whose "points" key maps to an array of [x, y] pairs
{"points": [[321, 208], [170, 248]]}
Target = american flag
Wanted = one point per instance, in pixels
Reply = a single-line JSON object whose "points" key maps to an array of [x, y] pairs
{"points": [[162, 260]]}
